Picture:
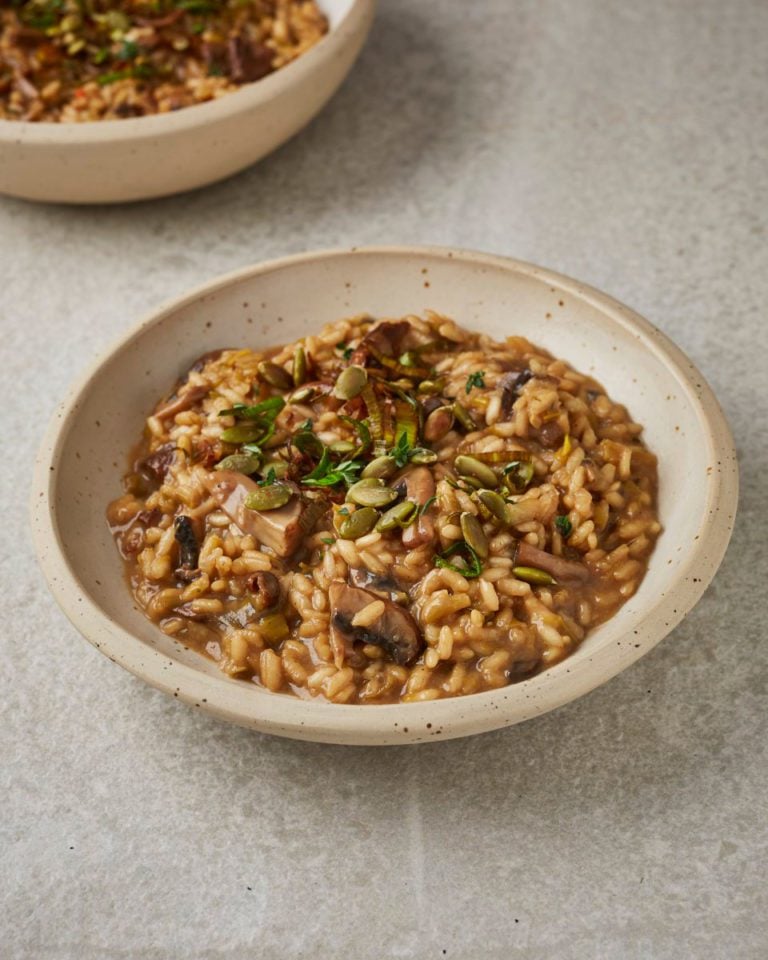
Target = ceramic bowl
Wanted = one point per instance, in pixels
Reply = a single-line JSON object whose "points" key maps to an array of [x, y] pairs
{"points": [[85, 453], [134, 159]]}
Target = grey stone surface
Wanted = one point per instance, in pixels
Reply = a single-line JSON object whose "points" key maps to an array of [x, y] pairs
{"points": [[622, 143]]}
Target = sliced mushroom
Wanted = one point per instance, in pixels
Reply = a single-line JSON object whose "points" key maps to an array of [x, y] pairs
{"points": [[558, 567], [395, 631], [157, 464], [189, 549], [182, 400], [387, 337], [511, 384], [383, 585], [280, 529], [419, 487]]}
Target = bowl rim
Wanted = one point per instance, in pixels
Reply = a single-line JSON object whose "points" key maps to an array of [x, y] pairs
{"points": [[394, 723], [248, 97]]}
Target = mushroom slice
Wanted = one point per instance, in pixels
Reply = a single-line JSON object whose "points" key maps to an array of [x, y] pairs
{"points": [[558, 567], [183, 400], [280, 529], [395, 631], [383, 585], [420, 488]]}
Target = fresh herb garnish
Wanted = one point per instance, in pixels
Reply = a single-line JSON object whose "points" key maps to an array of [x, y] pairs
{"points": [[345, 472], [402, 449], [425, 506], [476, 379], [328, 540], [564, 525], [363, 431], [307, 425], [345, 350], [269, 479], [472, 565], [267, 409]]}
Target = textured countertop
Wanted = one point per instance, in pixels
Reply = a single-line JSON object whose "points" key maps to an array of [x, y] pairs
{"points": [[621, 143]]}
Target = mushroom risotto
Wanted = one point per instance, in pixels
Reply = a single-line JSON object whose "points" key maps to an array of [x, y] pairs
{"points": [[77, 60], [386, 510]]}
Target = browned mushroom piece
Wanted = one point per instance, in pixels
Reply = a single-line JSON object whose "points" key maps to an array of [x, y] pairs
{"points": [[420, 488], [395, 631], [511, 384], [182, 400], [559, 567], [265, 590], [387, 337], [280, 529], [383, 585], [159, 462]]}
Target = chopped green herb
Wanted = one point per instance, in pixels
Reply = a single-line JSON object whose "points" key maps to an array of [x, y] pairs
{"points": [[269, 479], [402, 449], [328, 540], [472, 565], [129, 50], [564, 525], [425, 506], [476, 379], [345, 350], [268, 408]]}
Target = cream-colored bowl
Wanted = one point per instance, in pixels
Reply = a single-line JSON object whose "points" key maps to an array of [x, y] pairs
{"points": [[134, 159], [85, 453]]}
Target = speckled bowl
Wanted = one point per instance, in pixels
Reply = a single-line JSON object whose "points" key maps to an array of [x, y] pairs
{"points": [[84, 454], [134, 159]]}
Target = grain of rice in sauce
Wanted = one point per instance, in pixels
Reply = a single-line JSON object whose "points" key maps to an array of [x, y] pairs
{"points": [[386, 510]]}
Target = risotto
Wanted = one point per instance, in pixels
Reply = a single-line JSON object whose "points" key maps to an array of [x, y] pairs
{"points": [[76, 60], [390, 510]]}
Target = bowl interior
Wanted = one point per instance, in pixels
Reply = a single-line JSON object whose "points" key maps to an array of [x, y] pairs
{"points": [[278, 303]]}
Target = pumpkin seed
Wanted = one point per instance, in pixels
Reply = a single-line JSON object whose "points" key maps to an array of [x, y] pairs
{"points": [[307, 392], [464, 417], [371, 492], [533, 575], [381, 468], [342, 446], [430, 387], [517, 475], [400, 515], [242, 433], [359, 523], [246, 463], [274, 375], [350, 382], [422, 455], [495, 504], [437, 424], [474, 534], [299, 366], [270, 497], [470, 467]]}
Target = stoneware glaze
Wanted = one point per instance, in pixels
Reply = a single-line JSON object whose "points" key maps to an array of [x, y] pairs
{"points": [[134, 159], [85, 452]]}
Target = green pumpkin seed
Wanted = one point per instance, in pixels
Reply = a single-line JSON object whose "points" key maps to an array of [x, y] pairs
{"points": [[246, 463], [495, 504], [430, 387], [359, 523], [350, 382], [470, 467], [380, 468], [422, 455], [242, 433], [302, 394], [437, 424], [533, 575], [517, 475], [274, 375], [299, 366], [342, 446], [474, 534], [272, 497], [400, 515], [464, 417], [371, 492]]}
